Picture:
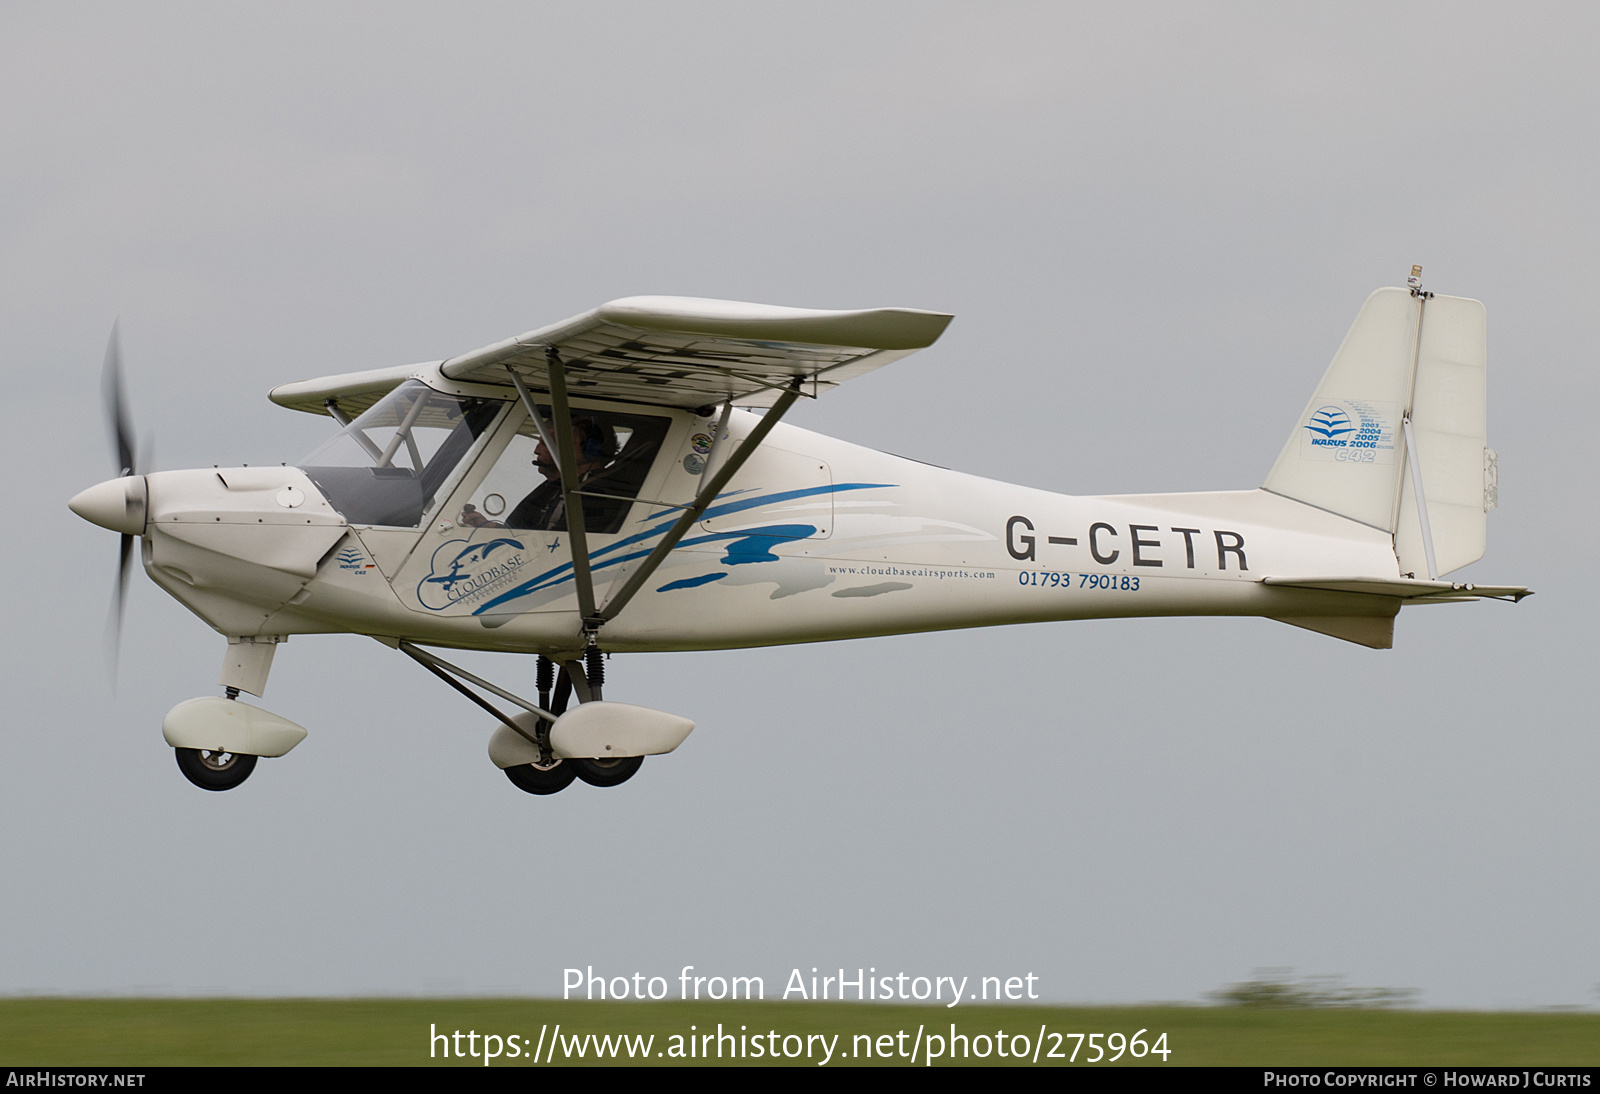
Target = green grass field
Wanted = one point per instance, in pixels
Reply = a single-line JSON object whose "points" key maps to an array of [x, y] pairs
{"points": [[148, 1032]]}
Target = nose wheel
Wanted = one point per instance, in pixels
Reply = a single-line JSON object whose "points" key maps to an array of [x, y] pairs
{"points": [[217, 770]]}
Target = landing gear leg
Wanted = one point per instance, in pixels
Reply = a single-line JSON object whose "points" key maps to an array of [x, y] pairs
{"points": [[551, 773], [598, 772], [547, 675], [563, 696]]}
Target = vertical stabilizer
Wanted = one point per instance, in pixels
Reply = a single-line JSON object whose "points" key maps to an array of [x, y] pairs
{"points": [[1347, 453], [1408, 356]]}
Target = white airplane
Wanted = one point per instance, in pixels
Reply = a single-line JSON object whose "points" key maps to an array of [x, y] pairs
{"points": [[597, 486]]}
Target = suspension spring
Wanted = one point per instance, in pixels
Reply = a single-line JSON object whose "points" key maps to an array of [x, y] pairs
{"points": [[546, 680]]}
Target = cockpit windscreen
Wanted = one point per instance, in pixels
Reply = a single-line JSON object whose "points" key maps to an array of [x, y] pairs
{"points": [[385, 467]]}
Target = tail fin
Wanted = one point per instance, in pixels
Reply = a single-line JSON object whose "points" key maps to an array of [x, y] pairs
{"points": [[1410, 363]]}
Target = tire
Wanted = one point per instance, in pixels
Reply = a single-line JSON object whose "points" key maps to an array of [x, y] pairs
{"points": [[542, 780], [215, 770], [607, 772]]}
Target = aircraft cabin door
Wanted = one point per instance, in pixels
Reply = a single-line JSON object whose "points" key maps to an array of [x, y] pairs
{"points": [[500, 547]]}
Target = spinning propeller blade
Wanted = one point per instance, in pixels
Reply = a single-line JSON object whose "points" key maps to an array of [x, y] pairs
{"points": [[122, 439], [124, 445], [121, 599]]}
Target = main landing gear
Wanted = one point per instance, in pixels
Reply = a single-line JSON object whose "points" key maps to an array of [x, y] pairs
{"points": [[521, 746], [537, 778], [550, 773], [608, 772]]}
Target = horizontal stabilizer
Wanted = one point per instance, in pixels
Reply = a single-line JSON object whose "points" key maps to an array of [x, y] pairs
{"points": [[1404, 588]]}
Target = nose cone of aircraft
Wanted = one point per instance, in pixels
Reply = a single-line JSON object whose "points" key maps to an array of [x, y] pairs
{"points": [[117, 504]]}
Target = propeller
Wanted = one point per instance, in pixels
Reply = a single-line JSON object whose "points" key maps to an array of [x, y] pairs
{"points": [[124, 444]]}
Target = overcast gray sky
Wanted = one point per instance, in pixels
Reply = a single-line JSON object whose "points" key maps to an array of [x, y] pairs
{"points": [[1153, 224]]}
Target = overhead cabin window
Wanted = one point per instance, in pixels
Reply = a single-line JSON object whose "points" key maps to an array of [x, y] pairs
{"points": [[386, 466], [614, 453]]}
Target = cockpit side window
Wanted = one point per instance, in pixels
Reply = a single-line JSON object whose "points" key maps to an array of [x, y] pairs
{"points": [[615, 452], [386, 466]]}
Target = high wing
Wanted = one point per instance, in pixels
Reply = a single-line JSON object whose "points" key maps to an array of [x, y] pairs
{"points": [[687, 352], [667, 351], [352, 392], [662, 351]]}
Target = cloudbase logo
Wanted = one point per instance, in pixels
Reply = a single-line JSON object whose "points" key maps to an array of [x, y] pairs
{"points": [[464, 572]]}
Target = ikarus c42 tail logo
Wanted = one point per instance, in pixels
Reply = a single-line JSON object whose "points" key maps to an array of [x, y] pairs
{"points": [[1330, 423], [1350, 431]]}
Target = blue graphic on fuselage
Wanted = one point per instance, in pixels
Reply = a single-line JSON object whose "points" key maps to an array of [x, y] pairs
{"points": [[691, 582], [752, 545], [618, 553], [755, 544]]}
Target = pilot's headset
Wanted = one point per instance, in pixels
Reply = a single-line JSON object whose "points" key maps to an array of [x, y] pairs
{"points": [[599, 439]]}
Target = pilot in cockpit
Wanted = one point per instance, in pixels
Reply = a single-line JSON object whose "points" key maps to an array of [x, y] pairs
{"points": [[544, 508]]}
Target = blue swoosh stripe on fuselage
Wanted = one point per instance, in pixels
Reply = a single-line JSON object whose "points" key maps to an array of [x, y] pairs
{"points": [[563, 572], [538, 583]]}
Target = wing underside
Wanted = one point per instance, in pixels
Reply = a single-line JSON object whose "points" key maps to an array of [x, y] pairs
{"points": [[665, 351], [685, 352]]}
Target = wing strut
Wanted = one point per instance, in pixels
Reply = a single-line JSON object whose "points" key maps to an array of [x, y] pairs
{"points": [[571, 502], [716, 438], [708, 493], [566, 458]]}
